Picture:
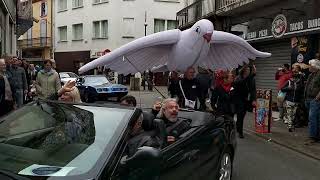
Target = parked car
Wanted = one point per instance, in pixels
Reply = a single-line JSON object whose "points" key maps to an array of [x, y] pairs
{"points": [[56, 140], [98, 87], [67, 76]]}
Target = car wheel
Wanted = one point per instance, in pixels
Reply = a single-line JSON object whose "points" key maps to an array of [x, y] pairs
{"points": [[225, 170]]}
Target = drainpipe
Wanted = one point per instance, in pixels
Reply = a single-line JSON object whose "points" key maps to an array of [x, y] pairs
{"points": [[52, 29]]}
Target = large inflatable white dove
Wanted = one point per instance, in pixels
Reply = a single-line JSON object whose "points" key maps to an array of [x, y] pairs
{"points": [[176, 50]]}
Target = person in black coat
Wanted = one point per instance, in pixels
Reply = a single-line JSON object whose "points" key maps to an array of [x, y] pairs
{"points": [[244, 97], [189, 90], [294, 89], [173, 87], [222, 95], [205, 79]]}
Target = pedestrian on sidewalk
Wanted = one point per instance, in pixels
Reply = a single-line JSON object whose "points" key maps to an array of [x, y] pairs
{"points": [[282, 75], [221, 99], [294, 95], [48, 81], [312, 100], [173, 87], [204, 78], [19, 79], [6, 90], [188, 90], [244, 94], [150, 81]]}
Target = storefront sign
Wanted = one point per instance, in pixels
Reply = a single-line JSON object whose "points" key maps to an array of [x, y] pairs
{"points": [[281, 26], [97, 54]]}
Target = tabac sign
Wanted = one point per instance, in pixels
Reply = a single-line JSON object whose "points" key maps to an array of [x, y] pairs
{"points": [[282, 26]]}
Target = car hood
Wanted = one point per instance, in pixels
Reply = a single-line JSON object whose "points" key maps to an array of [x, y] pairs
{"points": [[68, 79], [110, 86]]}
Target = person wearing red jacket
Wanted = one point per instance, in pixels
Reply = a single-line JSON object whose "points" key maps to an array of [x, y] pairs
{"points": [[282, 75]]}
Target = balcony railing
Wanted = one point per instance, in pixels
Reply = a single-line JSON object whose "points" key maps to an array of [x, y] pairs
{"points": [[25, 16], [194, 12], [206, 8], [35, 42], [228, 5]]}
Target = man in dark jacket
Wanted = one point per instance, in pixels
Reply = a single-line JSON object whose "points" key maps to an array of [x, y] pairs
{"points": [[20, 82], [6, 90], [189, 90], [244, 95], [294, 95], [204, 78], [173, 87], [312, 98]]}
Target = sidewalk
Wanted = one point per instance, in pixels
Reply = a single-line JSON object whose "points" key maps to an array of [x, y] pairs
{"points": [[280, 135]]}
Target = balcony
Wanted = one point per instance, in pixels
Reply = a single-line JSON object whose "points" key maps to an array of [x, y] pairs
{"points": [[35, 43], [224, 6], [24, 16], [192, 13]]}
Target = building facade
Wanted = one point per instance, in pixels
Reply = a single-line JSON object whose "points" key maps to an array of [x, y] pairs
{"points": [[36, 44], [288, 29], [8, 13], [84, 29]]}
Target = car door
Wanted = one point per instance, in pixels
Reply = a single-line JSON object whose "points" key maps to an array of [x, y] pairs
{"points": [[196, 156]]}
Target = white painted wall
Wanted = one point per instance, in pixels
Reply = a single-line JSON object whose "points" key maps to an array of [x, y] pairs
{"points": [[114, 11]]}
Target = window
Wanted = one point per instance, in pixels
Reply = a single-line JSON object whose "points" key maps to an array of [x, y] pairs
{"points": [[62, 5], [128, 28], [44, 9], [159, 25], [99, 1], [77, 3], [77, 30], [171, 24], [63, 31], [100, 29]]}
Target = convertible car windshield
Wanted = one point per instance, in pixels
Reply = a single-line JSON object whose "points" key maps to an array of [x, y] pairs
{"points": [[58, 140]]}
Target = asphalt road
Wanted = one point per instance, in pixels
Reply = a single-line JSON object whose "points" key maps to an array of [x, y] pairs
{"points": [[257, 159]]}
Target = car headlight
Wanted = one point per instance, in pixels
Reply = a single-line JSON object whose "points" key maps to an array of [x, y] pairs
{"points": [[99, 90]]}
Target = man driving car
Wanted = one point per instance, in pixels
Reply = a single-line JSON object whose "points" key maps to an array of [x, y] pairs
{"points": [[169, 114], [173, 126]]}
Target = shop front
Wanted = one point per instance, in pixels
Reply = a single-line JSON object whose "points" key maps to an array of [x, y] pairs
{"points": [[289, 37]]}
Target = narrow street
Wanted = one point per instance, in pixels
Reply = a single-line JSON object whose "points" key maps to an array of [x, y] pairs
{"points": [[259, 159], [256, 158]]}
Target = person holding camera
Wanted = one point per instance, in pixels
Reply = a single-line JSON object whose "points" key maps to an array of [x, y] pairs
{"points": [[283, 74]]}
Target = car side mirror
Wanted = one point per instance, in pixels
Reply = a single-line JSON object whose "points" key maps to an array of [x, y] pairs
{"points": [[79, 81], [144, 157]]}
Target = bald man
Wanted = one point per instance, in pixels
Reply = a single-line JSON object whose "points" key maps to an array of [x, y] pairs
{"points": [[6, 90]]}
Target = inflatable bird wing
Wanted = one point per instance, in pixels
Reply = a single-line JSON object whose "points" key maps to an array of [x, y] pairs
{"points": [[176, 50]]}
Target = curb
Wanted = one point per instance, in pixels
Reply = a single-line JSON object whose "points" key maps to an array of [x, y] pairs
{"points": [[247, 131]]}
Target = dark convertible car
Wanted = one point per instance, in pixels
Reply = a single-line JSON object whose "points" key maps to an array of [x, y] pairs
{"points": [[98, 87], [54, 140]]}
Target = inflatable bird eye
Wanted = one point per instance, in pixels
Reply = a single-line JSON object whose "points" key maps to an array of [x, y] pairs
{"points": [[198, 30]]}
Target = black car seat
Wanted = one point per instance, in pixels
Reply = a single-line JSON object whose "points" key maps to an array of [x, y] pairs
{"points": [[148, 121]]}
